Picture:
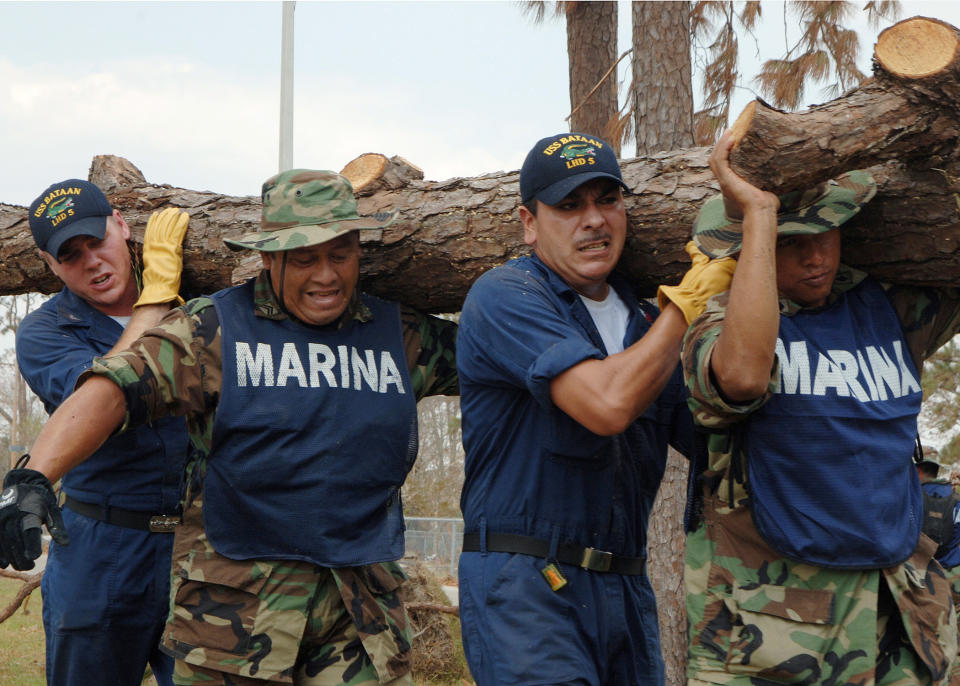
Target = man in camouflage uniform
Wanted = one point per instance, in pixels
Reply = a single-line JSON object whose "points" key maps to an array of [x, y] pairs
{"points": [[300, 398], [808, 565]]}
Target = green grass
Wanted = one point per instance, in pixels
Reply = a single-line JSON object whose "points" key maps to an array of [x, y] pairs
{"points": [[21, 639]]}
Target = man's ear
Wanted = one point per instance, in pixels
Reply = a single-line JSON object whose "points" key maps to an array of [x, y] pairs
{"points": [[266, 259], [122, 223], [529, 221], [49, 259]]}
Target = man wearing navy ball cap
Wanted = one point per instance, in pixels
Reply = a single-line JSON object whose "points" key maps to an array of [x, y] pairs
{"points": [[570, 393], [106, 594]]}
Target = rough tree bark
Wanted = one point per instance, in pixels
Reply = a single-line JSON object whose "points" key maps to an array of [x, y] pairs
{"points": [[448, 233], [661, 92], [591, 50]]}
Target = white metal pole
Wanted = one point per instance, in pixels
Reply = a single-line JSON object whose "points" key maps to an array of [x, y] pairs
{"points": [[286, 87]]}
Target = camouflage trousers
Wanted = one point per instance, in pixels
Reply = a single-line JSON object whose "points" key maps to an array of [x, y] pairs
{"points": [[260, 622], [954, 576], [757, 618]]}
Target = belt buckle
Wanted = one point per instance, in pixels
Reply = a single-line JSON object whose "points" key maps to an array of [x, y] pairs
{"points": [[596, 560], [163, 524]]}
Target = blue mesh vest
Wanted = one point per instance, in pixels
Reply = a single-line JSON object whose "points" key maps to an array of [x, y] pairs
{"points": [[830, 470], [315, 432]]}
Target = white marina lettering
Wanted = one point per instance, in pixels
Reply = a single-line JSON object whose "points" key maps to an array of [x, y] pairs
{"points": [[868, 374], [319, 366], [343, 353], [849, 369], [367, 371], [794, 368], [259, 367], [868, 377], [829, 376], [389, 374], [910, 383], [885, 372], [291, 366]]}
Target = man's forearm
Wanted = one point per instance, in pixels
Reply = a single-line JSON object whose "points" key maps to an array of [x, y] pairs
{"points": [[79, 426], [744, 353], [607, 395]]}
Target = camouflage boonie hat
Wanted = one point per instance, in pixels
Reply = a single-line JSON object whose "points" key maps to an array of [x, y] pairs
{"points": [[302, 207], [817, 210]]}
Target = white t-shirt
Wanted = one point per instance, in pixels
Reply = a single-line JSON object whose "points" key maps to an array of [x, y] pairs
{"points": [[122, 321], [610, 315]]}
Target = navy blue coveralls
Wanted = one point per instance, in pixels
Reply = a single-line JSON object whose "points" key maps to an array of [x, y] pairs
{"points": [[106, 595], [533, 472]]}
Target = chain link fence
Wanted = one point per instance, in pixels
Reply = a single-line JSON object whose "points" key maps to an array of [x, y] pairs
{"points": [[435, 541]]}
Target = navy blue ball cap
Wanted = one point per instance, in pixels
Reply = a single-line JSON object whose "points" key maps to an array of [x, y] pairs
{"points": [[70, 208], [558, 164]]}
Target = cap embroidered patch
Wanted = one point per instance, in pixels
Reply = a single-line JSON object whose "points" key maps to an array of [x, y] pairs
{"points": [[67, 209]]}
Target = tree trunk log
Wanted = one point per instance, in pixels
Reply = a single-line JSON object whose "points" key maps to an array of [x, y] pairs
{"points": [[592, 49], [661, 92], [449, 232], [907, 112], [666, 545]]}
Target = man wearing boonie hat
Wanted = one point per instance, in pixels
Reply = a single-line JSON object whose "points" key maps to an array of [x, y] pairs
{"points": [[808, 565], [571, 392], [300, 397], [105, 596]]}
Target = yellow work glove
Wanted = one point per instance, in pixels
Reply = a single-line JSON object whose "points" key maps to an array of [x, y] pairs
{"points": [[703, 280], [163, 257]]}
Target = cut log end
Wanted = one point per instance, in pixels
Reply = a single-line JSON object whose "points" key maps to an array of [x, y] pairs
{"points": [[372, 172], [917, 48], [365, 169], [740, 127]]}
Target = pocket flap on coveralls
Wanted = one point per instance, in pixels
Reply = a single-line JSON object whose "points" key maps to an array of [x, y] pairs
{"points": [[808, 605]]}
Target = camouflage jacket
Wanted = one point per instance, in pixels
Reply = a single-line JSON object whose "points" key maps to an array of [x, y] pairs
{"points": [[176, 368], [752, 612]]}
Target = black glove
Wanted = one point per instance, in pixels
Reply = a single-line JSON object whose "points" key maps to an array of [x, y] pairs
{"points": [[27, 501]]}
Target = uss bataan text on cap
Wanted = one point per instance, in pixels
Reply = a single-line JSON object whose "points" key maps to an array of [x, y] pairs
{"points": [[70, 208], [558, 164]]}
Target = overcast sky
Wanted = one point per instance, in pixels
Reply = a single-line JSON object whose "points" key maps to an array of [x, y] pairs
{"points": [[189, 92]]}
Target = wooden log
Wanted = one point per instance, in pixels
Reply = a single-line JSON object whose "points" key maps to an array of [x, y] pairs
{"points": [[908, 111], [448, 233], [372, 172]]}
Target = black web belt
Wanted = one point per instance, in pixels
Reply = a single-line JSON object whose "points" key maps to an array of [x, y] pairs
{"points": [[130, 519], [588, 558]]}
